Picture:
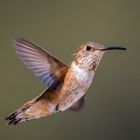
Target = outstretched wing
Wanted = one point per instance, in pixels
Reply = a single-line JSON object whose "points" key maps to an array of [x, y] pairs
{"points": [[46, 67]]}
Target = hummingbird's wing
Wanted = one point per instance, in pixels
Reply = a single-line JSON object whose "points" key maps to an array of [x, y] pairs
{"points": [[46, 67], [78, 105]]}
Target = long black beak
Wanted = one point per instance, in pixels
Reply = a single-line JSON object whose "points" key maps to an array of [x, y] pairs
{"points": [[114, 48]]}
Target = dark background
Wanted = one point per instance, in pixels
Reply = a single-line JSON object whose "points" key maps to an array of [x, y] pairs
{"points": [[112, 110]]}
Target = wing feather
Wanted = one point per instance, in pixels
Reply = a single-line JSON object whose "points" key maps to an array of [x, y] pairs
{"points": [[46, 67]]}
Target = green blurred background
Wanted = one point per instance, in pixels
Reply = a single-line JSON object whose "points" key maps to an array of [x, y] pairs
{"points": [[112, 110]]}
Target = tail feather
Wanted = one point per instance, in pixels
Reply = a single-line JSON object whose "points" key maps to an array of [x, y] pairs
{"points": [[33, 109], [13, 119], [24, 113]]}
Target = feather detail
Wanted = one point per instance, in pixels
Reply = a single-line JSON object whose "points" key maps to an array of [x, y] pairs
{"points": [[46, 67]]}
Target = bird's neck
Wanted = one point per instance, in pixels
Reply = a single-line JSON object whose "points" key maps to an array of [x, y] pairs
{"points": [[80, 69]]}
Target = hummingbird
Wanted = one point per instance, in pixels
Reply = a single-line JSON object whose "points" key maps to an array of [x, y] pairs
{"points": [[66, 84]]}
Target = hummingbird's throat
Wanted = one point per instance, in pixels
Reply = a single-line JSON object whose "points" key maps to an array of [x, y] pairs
{"points": [[89, 66]]}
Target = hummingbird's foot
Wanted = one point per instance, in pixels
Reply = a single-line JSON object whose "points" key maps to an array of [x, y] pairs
{"points": [[56, 110]]}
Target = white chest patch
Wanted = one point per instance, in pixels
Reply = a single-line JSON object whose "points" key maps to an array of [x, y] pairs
{"points": [[82, 74]]}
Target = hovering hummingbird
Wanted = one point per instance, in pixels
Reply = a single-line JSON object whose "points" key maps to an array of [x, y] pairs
{"points": [[66, 85]]}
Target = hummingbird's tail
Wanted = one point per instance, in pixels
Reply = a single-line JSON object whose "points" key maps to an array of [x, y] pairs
{"points": [[30, 110]]}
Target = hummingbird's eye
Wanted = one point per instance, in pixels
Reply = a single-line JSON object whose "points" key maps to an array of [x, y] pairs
{"points": [[88, 48]]}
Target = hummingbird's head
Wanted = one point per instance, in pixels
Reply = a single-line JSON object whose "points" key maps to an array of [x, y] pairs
{"points": [[89, 55]]}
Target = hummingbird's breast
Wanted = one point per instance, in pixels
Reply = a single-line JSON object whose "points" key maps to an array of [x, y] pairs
{"points": [[76, 83]]}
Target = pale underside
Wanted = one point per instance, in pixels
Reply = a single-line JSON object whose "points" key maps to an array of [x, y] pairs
{"points": [[76, 83]]}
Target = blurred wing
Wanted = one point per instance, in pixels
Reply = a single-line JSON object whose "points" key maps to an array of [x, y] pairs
{"points": [[78, 105], [46, 67]]}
